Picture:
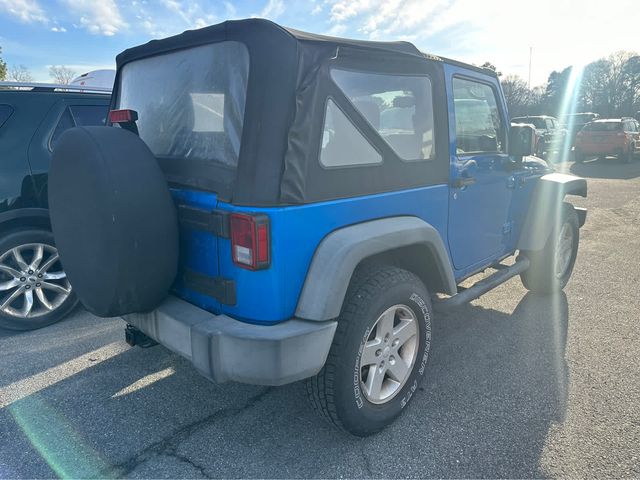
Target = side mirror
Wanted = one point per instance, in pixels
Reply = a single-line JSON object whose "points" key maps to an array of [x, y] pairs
{"points": [[521, 141]]}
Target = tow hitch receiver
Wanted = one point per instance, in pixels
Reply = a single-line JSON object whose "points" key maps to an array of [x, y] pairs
{"points": [[134, 337]]}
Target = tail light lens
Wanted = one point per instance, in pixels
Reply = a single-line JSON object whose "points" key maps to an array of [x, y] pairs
{"points": [[123, 116], [250, 241]]}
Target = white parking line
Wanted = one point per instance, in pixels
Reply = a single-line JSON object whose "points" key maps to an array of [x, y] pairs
{"points": [[35, 383], [145, 382]]}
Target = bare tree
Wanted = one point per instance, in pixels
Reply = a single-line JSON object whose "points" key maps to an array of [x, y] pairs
{"points": [[61, 75], [20, 73], [517, 95]]}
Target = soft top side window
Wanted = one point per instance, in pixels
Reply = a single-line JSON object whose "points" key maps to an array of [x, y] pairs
{"points": [[398, 107], [342, 143]]}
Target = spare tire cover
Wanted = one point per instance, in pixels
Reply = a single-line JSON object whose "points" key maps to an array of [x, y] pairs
{"points": [[113, 220]]}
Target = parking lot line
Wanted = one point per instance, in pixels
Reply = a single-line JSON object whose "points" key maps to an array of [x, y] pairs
{"points": [[23, 388]]}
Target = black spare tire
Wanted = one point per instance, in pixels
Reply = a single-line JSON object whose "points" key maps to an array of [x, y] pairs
{"points": [[113, 219]]}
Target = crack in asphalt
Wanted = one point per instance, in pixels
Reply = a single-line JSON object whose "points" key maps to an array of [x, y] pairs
{"points": [[368, 467], [168, 446]]}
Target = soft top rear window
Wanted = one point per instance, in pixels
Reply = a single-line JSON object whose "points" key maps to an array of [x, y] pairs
{"points": [[190, 102], [603, 127]]}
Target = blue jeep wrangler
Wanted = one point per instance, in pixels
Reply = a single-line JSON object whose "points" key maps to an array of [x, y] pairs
{"points": [[277, 206]]}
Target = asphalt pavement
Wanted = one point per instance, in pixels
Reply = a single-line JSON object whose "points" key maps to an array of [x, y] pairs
{"points": [[518, 385]]}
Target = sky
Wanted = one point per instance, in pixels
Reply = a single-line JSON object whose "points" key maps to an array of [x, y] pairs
{"points": [[87, 34]]}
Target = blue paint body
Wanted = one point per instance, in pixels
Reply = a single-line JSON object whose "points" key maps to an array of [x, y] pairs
{"points": [[479, 224], [271, 295]]}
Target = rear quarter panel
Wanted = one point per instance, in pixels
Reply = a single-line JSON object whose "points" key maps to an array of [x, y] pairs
{"points": [[271, 295]]}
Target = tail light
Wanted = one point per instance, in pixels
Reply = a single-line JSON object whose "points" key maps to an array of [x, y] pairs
{"points": [[126, 119], [123, 116], [250, 241]]}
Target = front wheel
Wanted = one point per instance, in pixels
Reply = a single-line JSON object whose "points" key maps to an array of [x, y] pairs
{"points": [[552, 266], [379, 353], [34, 290]]}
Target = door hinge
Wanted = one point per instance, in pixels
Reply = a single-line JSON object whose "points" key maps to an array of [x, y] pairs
{"points": [[212, 221], [222, 289]]}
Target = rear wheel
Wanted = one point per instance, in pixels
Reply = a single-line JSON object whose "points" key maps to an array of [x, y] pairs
{"points": [[379, 354], [552, 266], [34, 290]]}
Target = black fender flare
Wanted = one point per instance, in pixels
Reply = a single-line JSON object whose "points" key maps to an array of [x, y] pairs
{"points": [[544, 206], [340, 252]]}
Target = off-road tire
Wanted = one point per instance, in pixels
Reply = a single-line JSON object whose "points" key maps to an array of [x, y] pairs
{"points": [[19, 238], [336, 391], [541, 276]]}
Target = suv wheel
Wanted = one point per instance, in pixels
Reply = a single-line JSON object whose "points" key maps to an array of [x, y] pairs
{"points": [[34, 290], [552, 266], [379, 353]]}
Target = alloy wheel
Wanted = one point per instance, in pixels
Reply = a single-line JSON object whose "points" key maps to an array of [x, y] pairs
{"points": [[389, 354], [564, 250], [32, 282]]}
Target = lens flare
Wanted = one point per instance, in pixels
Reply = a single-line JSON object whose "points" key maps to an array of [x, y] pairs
{"points": [[568, 106], [56, 441]]}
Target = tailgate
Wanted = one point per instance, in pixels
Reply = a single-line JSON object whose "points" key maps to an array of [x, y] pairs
{"points": [[199, 264]]}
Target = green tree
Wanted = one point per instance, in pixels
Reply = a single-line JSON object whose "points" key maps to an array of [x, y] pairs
{"points": [[491, 66], [3, 67]]}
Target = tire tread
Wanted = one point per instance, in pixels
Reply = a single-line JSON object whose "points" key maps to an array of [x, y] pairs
{"points": [[367, 281]]}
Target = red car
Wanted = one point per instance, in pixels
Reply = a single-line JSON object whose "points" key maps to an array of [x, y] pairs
{"points": [[620, 137]]}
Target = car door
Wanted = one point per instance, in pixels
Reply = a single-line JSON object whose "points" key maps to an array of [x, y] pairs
{"points": [[481, 183]]}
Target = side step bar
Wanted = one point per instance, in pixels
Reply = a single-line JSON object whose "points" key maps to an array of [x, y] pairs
{"points": [[503, 274]]}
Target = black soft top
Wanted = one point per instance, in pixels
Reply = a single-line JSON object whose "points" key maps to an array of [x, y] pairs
{"points": [[284, 109], [270, 36]]}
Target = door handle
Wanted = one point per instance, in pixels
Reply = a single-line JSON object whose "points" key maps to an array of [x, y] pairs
{"points": [[462, 182]]}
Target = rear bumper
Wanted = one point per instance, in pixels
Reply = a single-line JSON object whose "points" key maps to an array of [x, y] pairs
{"points": [[224, 349]]}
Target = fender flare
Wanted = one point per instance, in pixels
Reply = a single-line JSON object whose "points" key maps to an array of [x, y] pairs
{"points": [[546, 199], [340, 252]]}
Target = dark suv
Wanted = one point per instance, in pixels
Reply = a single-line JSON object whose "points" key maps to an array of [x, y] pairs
{"points": [[550, 136], [34, 290]]}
